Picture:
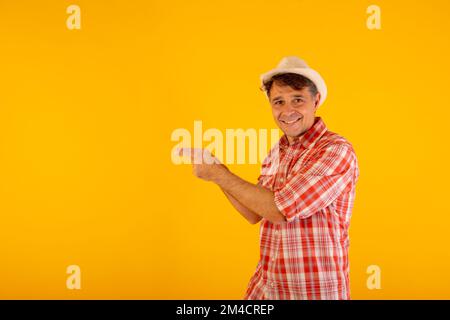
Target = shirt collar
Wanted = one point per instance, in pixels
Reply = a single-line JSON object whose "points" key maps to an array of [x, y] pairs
{"points": [[308, 138]]}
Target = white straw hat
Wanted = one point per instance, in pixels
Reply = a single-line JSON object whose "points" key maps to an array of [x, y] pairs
{"points": [[293, 64]]}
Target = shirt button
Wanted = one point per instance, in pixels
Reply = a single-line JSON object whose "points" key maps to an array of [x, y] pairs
{"points": [[272, 284], [273, 259]]}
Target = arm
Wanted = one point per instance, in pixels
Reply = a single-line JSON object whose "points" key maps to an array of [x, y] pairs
{"points": [[317, 183], [255, 198], [249, 215]]}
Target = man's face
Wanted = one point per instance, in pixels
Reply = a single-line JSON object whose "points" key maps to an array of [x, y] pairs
{"points": [[293, 110]]}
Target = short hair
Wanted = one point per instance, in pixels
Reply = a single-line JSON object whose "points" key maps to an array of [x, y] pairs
{"points": [[294, 80]]}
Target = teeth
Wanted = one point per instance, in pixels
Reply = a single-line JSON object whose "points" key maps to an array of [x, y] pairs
{"points": [[289, 122]]}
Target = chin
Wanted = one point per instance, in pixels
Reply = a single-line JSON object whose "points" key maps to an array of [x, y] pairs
{"points": [[293, 133]]}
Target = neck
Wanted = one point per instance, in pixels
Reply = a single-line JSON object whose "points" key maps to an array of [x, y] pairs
{"points": [[292, 140]]}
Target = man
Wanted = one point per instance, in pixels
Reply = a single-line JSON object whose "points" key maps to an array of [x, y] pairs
{"points": [[304, 195]]}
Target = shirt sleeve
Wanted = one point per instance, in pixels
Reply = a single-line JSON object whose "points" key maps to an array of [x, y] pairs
{"points": [[259, 181], [316, 184], [267, 170]]}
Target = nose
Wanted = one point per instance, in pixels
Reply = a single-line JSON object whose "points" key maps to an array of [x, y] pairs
{"points": [[288, 108], [288, 112]]}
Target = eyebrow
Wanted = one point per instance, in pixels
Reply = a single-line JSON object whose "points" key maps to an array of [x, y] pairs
{"points": [[294, 96]]}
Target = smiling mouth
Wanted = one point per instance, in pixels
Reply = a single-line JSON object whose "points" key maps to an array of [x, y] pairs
{"points": [[291, 122]]}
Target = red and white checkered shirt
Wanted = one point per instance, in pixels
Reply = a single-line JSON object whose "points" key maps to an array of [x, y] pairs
{"points": [[313, 181]]}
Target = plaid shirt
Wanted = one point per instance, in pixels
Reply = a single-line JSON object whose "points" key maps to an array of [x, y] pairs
{"points": [[313, 181]]}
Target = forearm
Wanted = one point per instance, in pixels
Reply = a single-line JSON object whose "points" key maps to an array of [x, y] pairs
{"points": [[254, 197], [248, 214]]}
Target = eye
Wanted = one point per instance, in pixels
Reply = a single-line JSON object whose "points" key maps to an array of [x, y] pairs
{"points": [[278, 102], [298, 100]]}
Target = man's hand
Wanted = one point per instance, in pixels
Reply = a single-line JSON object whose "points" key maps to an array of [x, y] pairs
{"points": [[204, 164]]}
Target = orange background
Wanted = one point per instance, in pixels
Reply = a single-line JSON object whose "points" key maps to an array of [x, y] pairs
{"points": [[86, 118]]}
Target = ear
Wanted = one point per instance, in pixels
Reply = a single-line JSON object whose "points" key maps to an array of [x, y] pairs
{"points": [[317, 100]]}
